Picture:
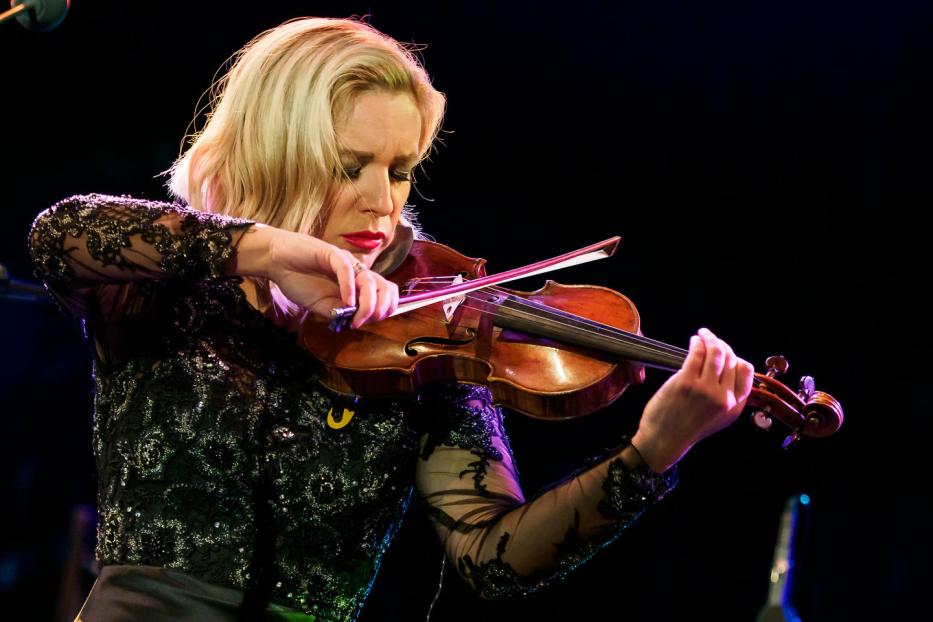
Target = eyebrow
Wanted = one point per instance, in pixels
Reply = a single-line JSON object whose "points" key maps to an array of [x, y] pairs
{"points": [[365, 157]]}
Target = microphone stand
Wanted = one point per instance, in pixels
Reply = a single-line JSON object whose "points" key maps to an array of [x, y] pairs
{"points": [[38, 15], [13, 12], [780, 606], [20, 291]]}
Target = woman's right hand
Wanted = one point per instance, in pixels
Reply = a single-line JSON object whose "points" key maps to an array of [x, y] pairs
{"points": [[315, 275]]}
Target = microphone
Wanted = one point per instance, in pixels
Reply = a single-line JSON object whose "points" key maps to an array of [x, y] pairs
{"points": [[37, 15], [780, 607]]}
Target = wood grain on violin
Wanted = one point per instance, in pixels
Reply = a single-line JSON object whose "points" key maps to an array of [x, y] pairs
{"points": [[559, 352]]}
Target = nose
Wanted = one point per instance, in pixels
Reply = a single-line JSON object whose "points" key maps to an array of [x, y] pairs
{"points": [[377, 197]]}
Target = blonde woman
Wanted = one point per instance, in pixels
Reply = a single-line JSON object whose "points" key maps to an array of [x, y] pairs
{"points": [[231, 484]]}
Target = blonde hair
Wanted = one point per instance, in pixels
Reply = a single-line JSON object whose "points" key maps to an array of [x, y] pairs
{"points": [[268, 151]]}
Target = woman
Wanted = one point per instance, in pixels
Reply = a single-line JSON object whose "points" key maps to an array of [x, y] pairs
{"points": [[232, 485]]}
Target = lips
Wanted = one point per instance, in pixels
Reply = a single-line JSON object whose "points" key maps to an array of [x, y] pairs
{"points": [[365, 240]]}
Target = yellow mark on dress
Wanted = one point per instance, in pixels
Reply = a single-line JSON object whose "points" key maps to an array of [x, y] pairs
{"points": [[344, 419]]}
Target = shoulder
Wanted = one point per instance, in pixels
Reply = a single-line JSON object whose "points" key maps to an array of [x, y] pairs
{"points": [[134, 212], [78, 208], [99, 200]]}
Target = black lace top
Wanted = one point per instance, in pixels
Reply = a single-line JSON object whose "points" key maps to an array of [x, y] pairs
{"points": [[221, 456]]}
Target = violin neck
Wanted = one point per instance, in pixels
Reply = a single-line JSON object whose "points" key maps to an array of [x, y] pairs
{"points": [[534, 318]]}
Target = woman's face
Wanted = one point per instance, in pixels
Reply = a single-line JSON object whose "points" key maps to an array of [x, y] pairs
{"points": [[378, 143]]}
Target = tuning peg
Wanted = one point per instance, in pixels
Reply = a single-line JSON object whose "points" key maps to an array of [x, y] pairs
{"points": [[807, 387], [762, 419], [776, 365], [791, 440]]}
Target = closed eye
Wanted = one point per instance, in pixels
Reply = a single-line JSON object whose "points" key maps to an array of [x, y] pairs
{"points": [[402, 175], [352, 172]]}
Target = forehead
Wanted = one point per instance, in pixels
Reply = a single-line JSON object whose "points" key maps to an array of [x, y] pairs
{"points": [[381, 121]]}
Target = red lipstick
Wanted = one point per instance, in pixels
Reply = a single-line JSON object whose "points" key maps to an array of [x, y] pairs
{"points": [[365, 240]]}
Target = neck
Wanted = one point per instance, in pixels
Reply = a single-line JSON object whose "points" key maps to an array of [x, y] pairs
{"points": [[538, 319]]}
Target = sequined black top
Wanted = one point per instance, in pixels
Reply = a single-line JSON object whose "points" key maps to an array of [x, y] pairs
{"points": [[221, 456]]}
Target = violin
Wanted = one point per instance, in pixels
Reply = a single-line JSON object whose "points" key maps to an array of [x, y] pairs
{"points": [[556, 353]]}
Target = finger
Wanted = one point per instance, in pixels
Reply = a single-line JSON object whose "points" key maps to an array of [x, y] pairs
{"points": [[342, 265], [693, 364], [323, 306], [383, 299], [744, 379], [323, 295], [635, 373], [367, 291], [727, 379], [395, 298], [317, 293], [388, 299], [715, 356]]}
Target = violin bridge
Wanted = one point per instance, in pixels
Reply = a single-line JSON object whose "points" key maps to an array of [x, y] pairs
{"points": [[451, 304]]}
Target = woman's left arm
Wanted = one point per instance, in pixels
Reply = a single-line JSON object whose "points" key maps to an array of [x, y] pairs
{"points": [[505, 545], [501, 544]]}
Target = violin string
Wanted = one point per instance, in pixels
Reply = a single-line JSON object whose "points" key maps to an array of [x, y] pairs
{"points": [[634, 343], [590, 327], [559, 319], [602, 330], [598, 326], [633, 347], [594, 327]]}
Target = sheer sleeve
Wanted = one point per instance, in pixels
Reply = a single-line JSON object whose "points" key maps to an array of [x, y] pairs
{"points": [[501, 544], [98, 244]]}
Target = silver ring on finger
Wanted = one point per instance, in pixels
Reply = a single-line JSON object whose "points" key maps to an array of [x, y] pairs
{"points": [[358, 267]]}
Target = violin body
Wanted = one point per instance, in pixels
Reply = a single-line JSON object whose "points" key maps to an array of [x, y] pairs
{"points": [[556, 353], [534, 375]]}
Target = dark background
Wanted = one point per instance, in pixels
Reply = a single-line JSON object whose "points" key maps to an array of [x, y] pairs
{"points": [[767, 165]]}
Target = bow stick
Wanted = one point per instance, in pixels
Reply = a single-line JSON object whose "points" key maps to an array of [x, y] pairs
{"points": [[341, 317]]}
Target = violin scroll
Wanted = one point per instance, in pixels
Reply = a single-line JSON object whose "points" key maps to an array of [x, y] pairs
{"points": [[807, 412]]}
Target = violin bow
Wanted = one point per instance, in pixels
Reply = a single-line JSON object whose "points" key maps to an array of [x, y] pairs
{"points": [[341, 317]]}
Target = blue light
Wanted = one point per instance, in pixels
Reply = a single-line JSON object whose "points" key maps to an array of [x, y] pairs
{"points": [[804, 499]]}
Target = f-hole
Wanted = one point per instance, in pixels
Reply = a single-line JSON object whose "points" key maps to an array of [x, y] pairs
{"points": [[439, 341]]}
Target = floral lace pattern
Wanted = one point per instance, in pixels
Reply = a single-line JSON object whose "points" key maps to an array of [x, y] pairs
{"points": [[214, 448], [501, 544], [220, 454]]}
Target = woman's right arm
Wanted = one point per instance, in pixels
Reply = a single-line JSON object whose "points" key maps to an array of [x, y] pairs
{"points": [[85, 243]]}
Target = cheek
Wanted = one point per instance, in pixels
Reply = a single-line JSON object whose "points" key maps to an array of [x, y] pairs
{"points": [[337, 208], [400, 196], [342, 201]]}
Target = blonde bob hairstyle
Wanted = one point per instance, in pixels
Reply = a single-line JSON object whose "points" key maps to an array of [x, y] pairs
{"points": [[269, 151]]}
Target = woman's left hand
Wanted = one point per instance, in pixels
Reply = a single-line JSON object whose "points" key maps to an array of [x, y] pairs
{"points": [[707, 394]]}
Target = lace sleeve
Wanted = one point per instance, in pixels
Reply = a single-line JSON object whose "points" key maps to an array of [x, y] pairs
{"points": [[500, 543], [84, 243]]}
